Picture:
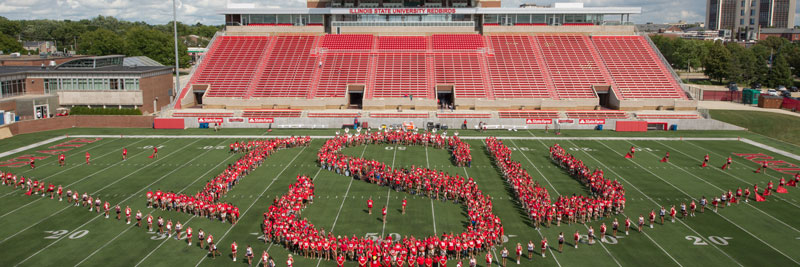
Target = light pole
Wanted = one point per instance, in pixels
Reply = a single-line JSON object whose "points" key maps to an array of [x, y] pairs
{"points": [[176, 88]]}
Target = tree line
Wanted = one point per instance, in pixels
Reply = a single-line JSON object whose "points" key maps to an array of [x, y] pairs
{"points": [[771, 62], [103, 35]]}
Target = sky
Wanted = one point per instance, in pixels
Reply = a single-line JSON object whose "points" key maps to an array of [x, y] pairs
{"points": [[203, 11]]}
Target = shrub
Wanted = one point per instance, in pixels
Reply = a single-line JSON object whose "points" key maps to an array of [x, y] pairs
{"points": [[104, 111]]}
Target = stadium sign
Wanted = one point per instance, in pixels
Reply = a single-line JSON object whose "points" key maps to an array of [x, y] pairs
{"points": [[538, 121], [414, 11], [235, 120], [210, 120], [566, 121], [260, 120], [592, 121]]}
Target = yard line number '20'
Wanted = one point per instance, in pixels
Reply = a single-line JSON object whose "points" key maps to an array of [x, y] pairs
{"points": [[722, 241], [58, 234]]}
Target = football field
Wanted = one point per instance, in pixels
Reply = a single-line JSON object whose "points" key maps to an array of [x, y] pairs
{"points": [[37, 231]]}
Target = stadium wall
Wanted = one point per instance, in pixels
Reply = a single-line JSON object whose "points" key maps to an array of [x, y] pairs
{"points": [[454, 124], [586, 30], [80, 121], [272, 30]]}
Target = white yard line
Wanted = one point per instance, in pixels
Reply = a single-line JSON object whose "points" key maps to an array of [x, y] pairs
{"points": [[132, 195], [720, 215], [723, 190], [651, 199], [40, 143], [70, 168], [65, 188], [556, 190], [256, 200], [346, 193], [433, 213], [88, 147], [737, 178], [185, 223], [388, 193]]}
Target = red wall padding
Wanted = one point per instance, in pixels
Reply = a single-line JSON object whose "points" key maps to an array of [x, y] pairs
{"points": [[631, 126], [168, 123]]}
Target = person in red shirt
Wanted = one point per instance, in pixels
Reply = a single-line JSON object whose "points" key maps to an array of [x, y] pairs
{"points": [[124, 153], [340, 260], [61, 160], [544, 246], [33, 163], [155, 152], [577, 237], [233, 250], [88, 157], [362, 261], [383, 212], [369, 205], [405, 202]]}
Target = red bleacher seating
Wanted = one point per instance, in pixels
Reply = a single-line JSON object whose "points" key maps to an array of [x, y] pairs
{"points": [[571, 65], [457, 41], [401, 74], [201, 114], [463, 115], [230, 65], [462, 71], [635, 68], [528, 114], [513, 69], [668, 116], [272, 113], [402, 43], [598, 114], [530, 24], [289, 68], [398, 115], [578, 24], [339, 70], [333, 115], [348, 41]]}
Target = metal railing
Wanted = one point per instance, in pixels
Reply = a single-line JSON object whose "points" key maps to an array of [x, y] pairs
{"points": [[675, 76], [192, 71], [403, 24]]}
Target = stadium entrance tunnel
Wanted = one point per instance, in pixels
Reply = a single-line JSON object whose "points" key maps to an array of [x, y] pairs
{"points": [[355, 96], [445, 96]]}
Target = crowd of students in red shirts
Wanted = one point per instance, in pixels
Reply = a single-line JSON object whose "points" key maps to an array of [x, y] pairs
{"points": [[607, 196], [206, 202], [284, 224]]}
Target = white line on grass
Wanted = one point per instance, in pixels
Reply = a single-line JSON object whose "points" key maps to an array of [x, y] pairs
{"points": [[132, 195], [256, 200], [747, 203], [734, 176], [65, 187], [651, 199], [556, 190], [433, 214], [720, 215], [186, 223], [17, 150], [76, 165], [388, 192]]}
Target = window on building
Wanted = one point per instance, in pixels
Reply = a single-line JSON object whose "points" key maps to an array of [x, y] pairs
{"points": [[12, 88]]}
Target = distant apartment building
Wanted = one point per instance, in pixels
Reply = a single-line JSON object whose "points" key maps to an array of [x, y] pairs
{"points": [[745, 17]]}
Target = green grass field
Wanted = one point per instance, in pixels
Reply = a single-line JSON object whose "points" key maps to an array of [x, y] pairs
{"points": [[775, 125], [40, 231]]}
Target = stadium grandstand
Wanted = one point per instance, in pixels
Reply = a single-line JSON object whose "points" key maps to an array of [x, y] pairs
{"points": [[370, 58]]}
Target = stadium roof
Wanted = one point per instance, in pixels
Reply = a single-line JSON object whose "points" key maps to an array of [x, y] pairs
{"points": [[344, 11]]}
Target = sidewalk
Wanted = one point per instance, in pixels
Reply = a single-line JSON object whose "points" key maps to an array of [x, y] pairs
{"points": [[736, 106]]}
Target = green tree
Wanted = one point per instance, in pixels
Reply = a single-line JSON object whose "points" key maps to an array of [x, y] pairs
{"points": [[101, 42], [779, 74], [774, 42], [9, 44], [718, 62], [10, 27], [155, 44]]}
